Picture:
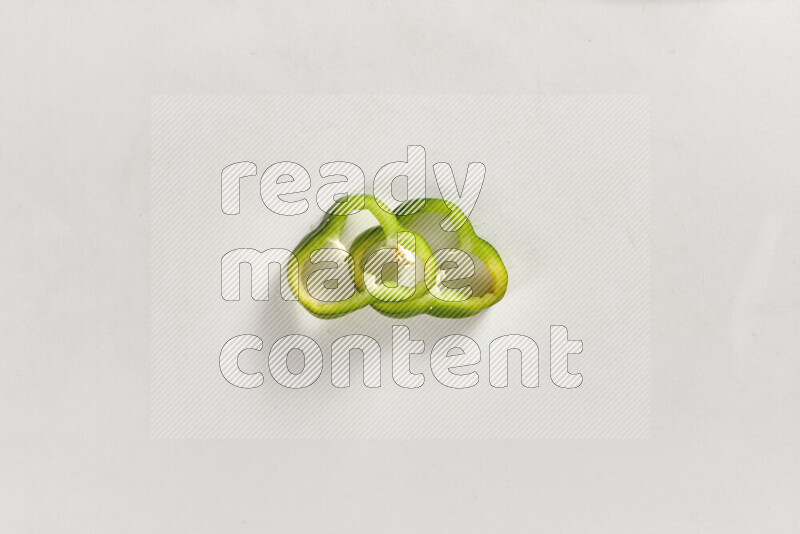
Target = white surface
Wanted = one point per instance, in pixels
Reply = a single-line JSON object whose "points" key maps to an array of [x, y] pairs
{"points": [[75, 452]]}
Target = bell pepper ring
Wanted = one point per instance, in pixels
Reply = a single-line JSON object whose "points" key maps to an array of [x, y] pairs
{"points": [[401, 239], [434, 223], [323, 246]]}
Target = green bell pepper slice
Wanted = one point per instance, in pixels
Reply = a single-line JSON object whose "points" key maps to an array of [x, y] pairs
{"points": [[439, 217], [323, 245]]}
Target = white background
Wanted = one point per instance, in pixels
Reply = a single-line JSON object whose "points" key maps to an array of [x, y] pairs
{"points": [[76, 81]]}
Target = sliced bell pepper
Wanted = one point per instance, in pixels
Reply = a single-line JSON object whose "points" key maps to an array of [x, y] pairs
{"points": [[403, 239], [433, 224], [323, 245]]}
